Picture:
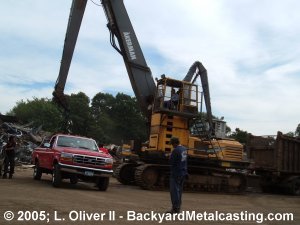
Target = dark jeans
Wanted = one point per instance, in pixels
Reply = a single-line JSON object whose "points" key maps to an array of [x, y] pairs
{"points": [[176, 187], [9, 162]]}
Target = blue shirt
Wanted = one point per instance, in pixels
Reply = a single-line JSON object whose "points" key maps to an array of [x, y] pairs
{"points": [[178, 161]]}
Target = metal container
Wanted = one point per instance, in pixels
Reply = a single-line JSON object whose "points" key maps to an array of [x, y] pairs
{"points": [[277, 162], [277, 154]]}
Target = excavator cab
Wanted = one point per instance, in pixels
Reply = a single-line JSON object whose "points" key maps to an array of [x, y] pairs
{"points": [[176, 97], [176, 103]]}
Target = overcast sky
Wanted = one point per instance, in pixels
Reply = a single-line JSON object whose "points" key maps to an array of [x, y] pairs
{"points": [[250, 49]]}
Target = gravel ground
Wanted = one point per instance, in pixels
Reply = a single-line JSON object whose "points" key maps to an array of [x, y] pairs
{"points": [[29, 200]]}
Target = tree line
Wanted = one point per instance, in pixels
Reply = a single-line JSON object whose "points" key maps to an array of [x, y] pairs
{"points": [[106, 118]]}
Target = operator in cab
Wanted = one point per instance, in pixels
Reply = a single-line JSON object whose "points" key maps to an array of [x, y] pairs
{"points": [[178, 173], [173, 100]]}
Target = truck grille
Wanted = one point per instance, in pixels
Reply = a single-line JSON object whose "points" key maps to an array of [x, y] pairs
{"points": [[88, 160]]}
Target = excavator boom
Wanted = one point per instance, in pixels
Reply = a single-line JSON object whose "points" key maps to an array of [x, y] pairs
{"points": [[75, 18], [120, 29], [139, 73]]}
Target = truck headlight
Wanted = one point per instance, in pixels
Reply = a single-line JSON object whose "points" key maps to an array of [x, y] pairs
{"points": [[109, 161], [66, 156]]}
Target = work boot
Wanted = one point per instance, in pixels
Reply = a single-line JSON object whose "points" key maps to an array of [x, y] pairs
{"points": [[4, 176], [173, 211], [10, 176]]}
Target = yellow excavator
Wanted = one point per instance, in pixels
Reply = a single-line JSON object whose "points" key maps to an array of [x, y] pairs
{"points": [[214, 162]]}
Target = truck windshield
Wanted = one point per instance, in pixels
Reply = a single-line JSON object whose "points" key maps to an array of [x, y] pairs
{"points": [[77, 142]]}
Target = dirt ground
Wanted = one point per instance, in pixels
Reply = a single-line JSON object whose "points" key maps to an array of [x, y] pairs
{"points": [[22, 195]]}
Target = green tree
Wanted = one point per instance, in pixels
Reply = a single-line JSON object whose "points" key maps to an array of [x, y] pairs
{"points": [[38, 112], [239, 135], [290, 134], [103, 129], [109, 119], [80, 115], [297, 132], [131, 124], [117, 119], [228, 130], [102, 103]]}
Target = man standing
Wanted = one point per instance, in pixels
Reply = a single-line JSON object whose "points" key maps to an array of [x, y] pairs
{"points": [[178, 172], [10, 157]]}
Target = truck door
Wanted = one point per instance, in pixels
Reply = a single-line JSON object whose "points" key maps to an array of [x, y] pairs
{"points": [[46, 155]]}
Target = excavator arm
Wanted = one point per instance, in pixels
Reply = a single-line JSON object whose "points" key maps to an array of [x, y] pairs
{"points": [[196, 70], [127, 45], [75, 18]]}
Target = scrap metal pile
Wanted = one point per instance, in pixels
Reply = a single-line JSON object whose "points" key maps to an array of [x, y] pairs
{"points": [[27, 139]]}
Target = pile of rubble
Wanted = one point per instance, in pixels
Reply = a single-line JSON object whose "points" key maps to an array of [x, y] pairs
{"points": [[27, 139]]}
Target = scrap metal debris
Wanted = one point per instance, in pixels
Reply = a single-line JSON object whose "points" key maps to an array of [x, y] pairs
{"points": [[27, 139]]}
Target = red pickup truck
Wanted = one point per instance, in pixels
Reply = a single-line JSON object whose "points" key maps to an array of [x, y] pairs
{"points": [[72, 157]]}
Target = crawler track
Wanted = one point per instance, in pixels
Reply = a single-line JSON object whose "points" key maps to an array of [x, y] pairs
{"points": [[125, 173], [156, 177]]}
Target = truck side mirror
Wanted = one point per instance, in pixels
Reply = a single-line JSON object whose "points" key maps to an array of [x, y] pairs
{"points": [[46, 145]]}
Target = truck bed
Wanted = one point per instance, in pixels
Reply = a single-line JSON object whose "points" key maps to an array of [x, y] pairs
{"points": [[277, 154]]}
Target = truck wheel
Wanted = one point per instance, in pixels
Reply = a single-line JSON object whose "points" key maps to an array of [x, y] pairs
{"points": [[266, 188], [56, 176], [73, 180], [295, 187], [102, 183], [37, 171]]}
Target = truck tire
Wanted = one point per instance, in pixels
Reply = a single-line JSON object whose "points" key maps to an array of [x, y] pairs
{"points": [[102, 183], [73, 180], [37, 171], [295, 187], [56, 176]]}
